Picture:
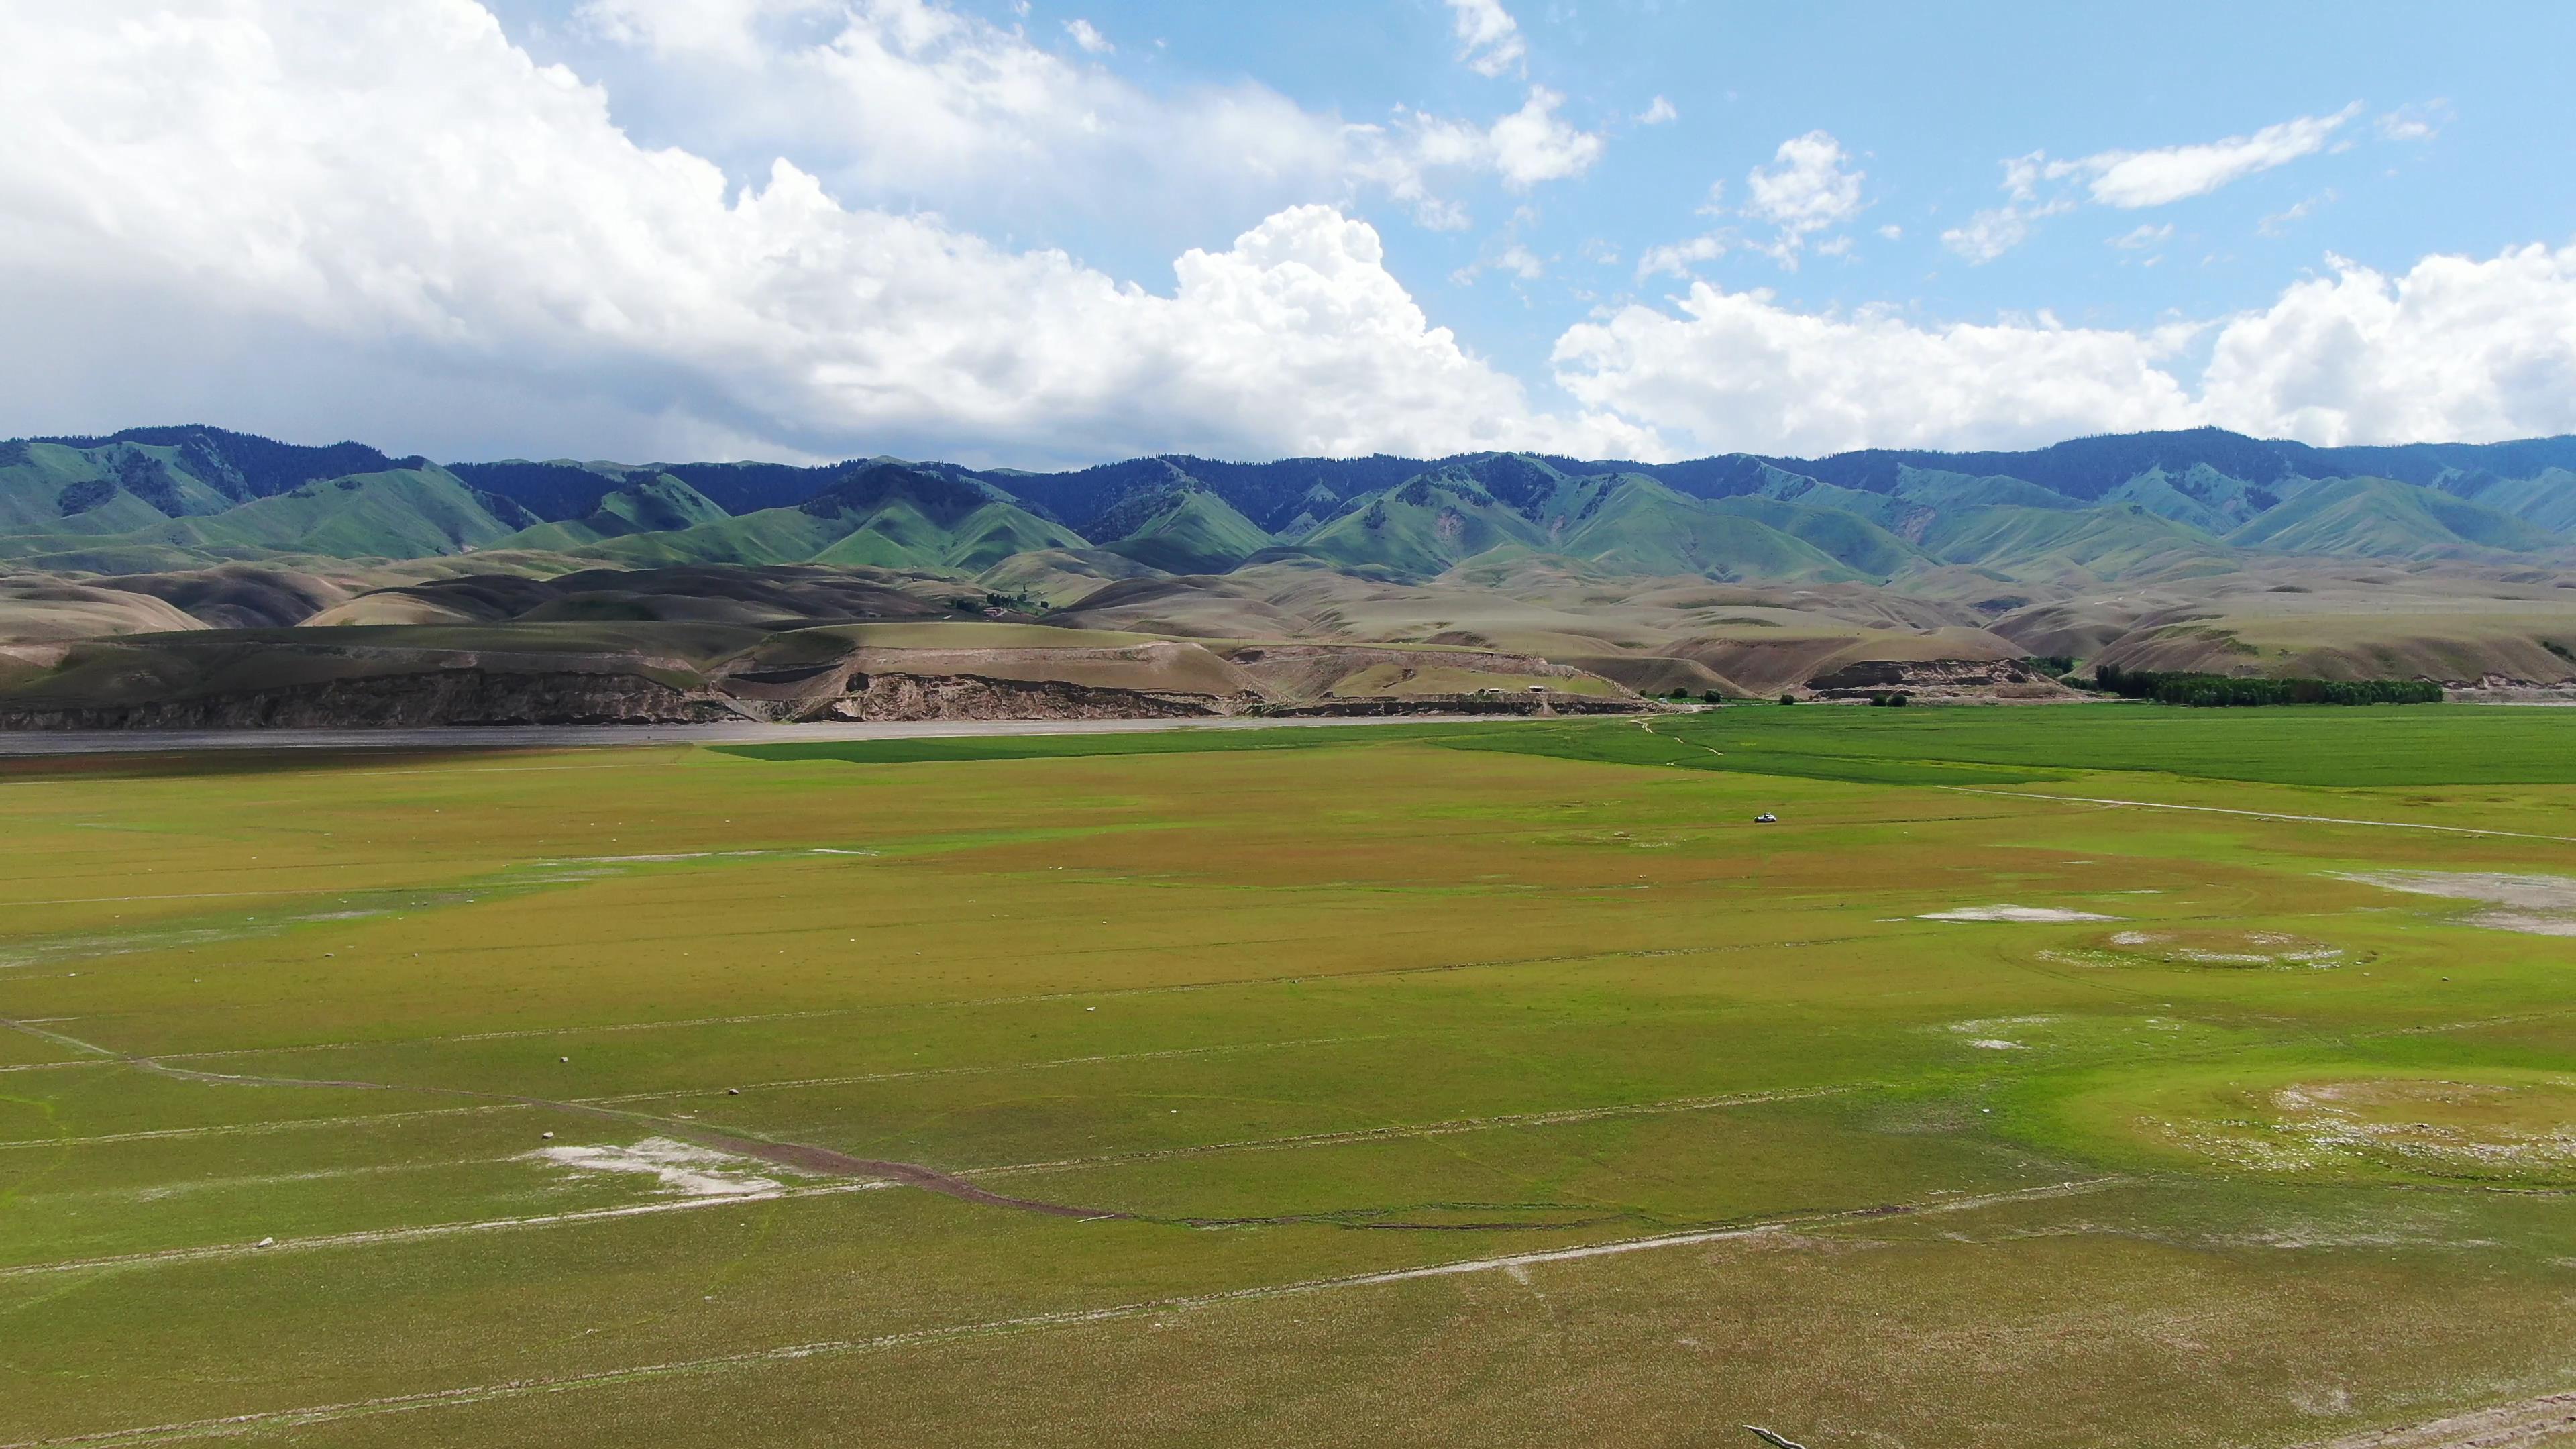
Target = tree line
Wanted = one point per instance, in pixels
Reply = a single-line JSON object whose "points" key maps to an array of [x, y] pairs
{"points": [[2225, 690]]}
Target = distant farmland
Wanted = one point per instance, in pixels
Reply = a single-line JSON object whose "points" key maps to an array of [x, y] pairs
{"points": [[2098, 1074]]}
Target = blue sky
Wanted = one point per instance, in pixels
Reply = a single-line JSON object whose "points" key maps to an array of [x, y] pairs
{"points": [[1654, 226], [1928, 100]]}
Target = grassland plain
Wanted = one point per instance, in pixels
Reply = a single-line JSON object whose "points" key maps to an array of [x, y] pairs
{"points": [[1480, 1084]]}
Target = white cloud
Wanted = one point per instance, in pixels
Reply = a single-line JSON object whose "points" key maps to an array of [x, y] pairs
{"points": [[1892, 232], [2131, 180], [2134, 179], [1678, 258], [912, 99], [2455, 348], [731, 29], [1807, 189], [1088, 36], [2419, 122], [2145, 235], [1735, 370], [1534, 144], [1658, 112], [2279, 222], [1489, 39], [1515, 259], [395, 189], [1530, 146], [1990, 233]]}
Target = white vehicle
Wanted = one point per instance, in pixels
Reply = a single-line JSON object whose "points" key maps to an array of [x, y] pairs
{"points": [[1766, 819]]}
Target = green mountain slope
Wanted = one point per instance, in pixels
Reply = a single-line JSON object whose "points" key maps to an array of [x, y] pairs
{"points": [[117, 488], [2096, 542], [2199, 496], [887, 515], [406, 513], [1420, 528], [1193, 532], [1848, 538], [658, 504], [1637, 525], [1938, 489], [2383, 518], [2546, 500]]}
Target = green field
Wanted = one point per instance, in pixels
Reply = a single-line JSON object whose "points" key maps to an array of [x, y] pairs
{"points": [[2089, 1075]]}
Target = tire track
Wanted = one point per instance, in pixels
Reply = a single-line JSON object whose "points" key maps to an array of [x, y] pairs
{"points": [[2260, 814], [1070, 1318], [2506, 1426]]}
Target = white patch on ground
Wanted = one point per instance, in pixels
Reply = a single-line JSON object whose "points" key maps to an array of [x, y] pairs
{"points": [[2330, 1124], [681, 1167], [2021, 915], [1982, 1035], [2537, 905], [2528, 892], [2529, 925]]}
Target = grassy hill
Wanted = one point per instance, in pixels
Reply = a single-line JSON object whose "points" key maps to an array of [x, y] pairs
{"points": [[2383, 518], [883, 515], [1194, 531], [1422, 528], [656, 504]]}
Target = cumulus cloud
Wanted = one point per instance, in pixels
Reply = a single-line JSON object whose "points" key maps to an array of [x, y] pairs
{"points": [[1735, 370], [915, 99], [2143, 236], [2455, 348], [1489, 39], [1530, 146], [1658, 112], [1807, 188], [398, 187]]}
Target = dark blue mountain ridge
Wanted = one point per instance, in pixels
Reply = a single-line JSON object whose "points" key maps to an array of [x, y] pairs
{"points": [[1282, 494]]}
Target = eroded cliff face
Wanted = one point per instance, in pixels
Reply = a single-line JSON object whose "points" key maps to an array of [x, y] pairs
{"points": [[446, 697], [1993, 679], [892, 697], [278, 679]]}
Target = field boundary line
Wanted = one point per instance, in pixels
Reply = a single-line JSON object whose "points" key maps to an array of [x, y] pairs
{"points": [[1399, 1132], [226, 1129], [372, 1237], [2262, 814], [1067, 1318], [860, 1079]]}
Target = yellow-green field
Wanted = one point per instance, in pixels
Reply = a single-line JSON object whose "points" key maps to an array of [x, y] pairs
{"points": [[1480, 1085]]}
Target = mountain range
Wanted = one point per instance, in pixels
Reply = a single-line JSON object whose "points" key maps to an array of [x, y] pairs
{"points": [[2092, 510], [192, 574]]}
